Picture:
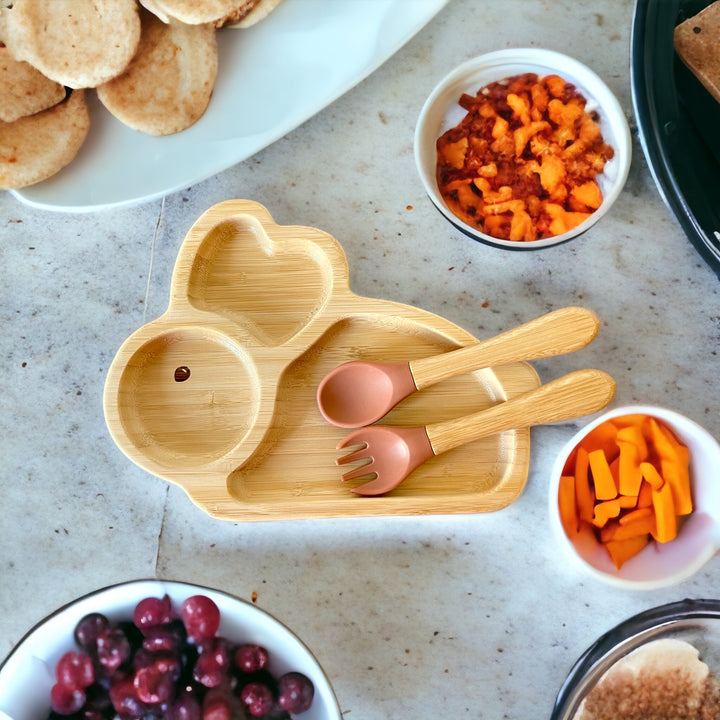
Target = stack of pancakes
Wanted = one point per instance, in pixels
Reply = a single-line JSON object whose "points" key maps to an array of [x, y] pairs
{"points": [[153, 66]]}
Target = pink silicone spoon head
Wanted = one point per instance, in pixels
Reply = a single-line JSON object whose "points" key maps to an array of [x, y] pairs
{"points": [[359, 393]]}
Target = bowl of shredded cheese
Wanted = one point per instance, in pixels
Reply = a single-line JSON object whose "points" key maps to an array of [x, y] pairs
{"points": [[522, 148]]}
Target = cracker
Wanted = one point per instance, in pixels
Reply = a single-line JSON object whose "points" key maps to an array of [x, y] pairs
{"points": [[36, 147], [697, 42], [199, 12], [258, 13], [167, 86], [24, 90], [79, 43]]}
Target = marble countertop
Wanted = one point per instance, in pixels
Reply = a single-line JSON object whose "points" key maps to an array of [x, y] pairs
{"points": [[470, 615]]}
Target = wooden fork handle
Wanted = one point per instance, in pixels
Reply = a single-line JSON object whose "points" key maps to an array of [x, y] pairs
{"points": [[573, 395], [556, 333]]}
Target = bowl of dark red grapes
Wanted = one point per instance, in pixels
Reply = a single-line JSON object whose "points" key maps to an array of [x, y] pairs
{"points": [[162, 650]]}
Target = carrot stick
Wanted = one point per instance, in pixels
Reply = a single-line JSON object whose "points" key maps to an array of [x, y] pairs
{"points": [[566, 505], [624, 421], [629, 473], [608, 530], [674, 465], [603, 437], [651, 475], [633, 433], [606, 510], [627, 501], [636, 515], [645, 495], [605, 488], [642, 525], [584, 493], [665, 518], [615, 472], [677, 474], [631, 480], [622, 550]]}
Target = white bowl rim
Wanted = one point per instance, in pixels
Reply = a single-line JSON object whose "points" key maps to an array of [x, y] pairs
{"points": [[674, 419], [156, 587], [551, 61]]}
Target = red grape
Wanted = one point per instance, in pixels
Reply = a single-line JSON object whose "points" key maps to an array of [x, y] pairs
{"points": [[75, 671], [89, 628], [152, 611], [185, 707], [295, 692], [213, 663], [125, 700], [113, 649], [221, 704], [65, 700], [258, 697], [201, 617], [154, 684], [159, 667], [251, 658]]}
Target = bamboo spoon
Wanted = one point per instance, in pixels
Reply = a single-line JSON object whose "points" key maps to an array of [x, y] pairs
{"points": [[360, 392], [394, 452]]}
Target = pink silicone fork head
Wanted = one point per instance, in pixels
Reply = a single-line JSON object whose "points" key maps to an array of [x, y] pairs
{"points": [[394, 452]]}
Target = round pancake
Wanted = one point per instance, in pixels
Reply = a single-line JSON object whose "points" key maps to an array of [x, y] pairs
{"points": [[199, 12], [23, 89], [258, 13], [34, 148], [167, 86], [78, 43]]}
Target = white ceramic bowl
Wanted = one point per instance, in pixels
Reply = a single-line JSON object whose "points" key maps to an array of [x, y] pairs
{"points": [[658, 564], [441, 112], [27, 674]]}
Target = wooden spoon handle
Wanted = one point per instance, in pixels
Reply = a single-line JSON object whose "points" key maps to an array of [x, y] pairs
{"points": [[558, 332], [573, 395]]}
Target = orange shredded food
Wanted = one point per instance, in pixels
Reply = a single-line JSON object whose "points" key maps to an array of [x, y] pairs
{"points": [[522, 164]]}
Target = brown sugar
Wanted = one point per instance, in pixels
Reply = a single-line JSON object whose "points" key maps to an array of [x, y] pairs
{"points": [[663, 680]]}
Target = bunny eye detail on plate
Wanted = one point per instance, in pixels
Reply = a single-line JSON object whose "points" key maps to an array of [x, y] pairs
{"points": [[184, 416]]}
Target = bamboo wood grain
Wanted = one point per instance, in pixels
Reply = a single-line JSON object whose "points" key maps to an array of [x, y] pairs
{"points": [[556, 333], [573, 395], [217, 395]]}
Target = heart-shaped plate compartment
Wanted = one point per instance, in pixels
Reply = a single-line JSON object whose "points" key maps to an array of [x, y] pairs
{"points": [[218, 394]]}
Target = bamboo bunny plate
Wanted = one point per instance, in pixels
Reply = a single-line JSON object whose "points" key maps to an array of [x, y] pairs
{"points": [[218, 394]]}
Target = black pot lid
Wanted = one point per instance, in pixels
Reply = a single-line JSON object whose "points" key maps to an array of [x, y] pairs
{"points": [[678, 123]]}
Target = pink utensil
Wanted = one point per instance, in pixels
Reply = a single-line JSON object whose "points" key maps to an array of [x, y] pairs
{"points": [[360, 392], [394, 452]]}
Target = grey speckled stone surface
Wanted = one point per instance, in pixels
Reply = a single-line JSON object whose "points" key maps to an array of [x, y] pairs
{"points": [[473, 616]]}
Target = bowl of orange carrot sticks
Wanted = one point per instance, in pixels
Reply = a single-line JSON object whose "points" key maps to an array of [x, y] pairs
{"points": [[635, 497]]}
